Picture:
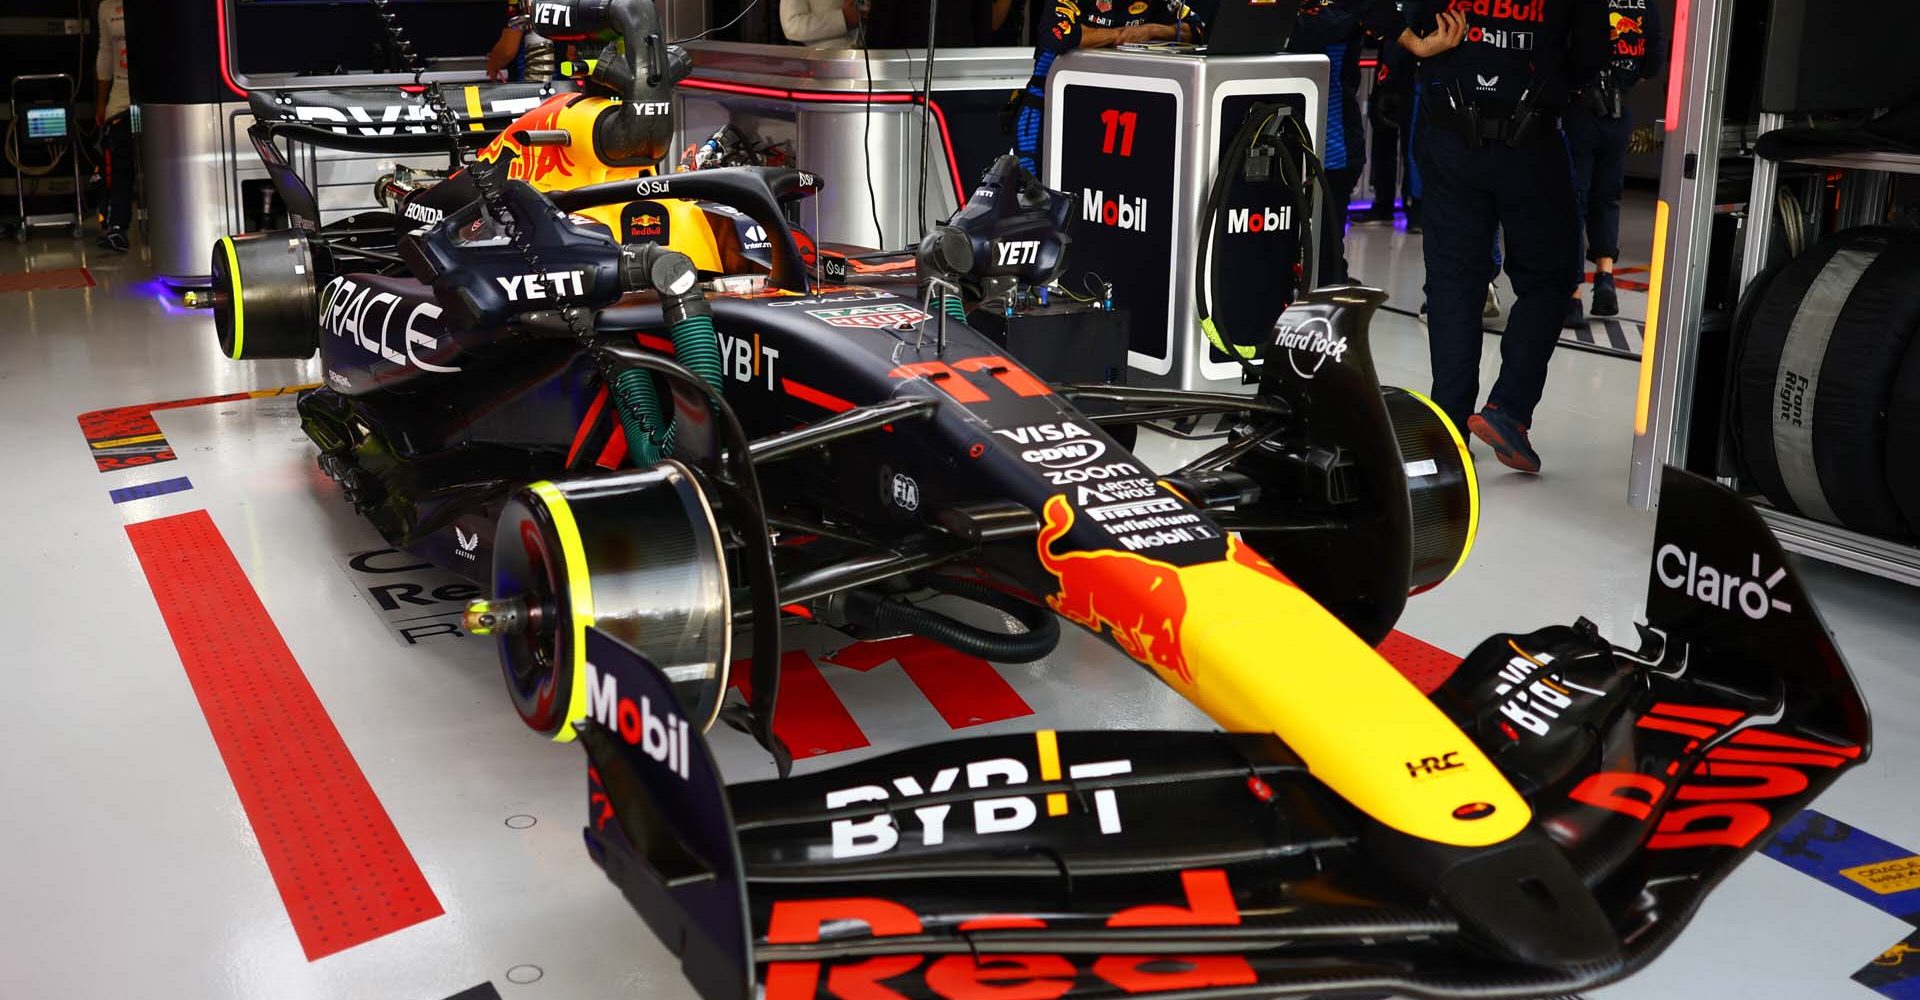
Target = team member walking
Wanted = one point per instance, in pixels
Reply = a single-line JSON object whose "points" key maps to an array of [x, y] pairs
{"points": [[1491, 155], [1390, 119], [1598, 127]]}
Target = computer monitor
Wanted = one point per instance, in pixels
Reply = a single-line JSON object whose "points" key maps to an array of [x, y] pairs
{"points": [[1250, 27], [46, 123], [1823, 56]]}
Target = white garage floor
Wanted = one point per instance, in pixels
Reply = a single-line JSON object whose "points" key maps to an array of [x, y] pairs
{"points": [[130, 867]]}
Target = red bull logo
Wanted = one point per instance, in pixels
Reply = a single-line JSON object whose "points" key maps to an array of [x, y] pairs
{"points": [[1624, 25], [1139, 601], [533, 164]]}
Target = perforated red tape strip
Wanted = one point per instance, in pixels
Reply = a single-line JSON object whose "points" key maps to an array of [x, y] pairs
{"points": [[1423, 664], [342, 870]]}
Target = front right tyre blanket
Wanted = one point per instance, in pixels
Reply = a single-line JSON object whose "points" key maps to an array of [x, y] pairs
{"points": [[1816, 366]]}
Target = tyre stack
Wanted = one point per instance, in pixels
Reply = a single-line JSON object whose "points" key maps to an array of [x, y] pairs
{"points": [[1826, 401]]}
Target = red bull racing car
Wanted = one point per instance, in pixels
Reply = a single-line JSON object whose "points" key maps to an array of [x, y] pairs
{"points": [[652, 476]]}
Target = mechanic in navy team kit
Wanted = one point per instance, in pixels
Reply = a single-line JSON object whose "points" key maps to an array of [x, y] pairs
{"points": [[1598, 127], [1092, 24], [1491, 154], [1389, 128]]}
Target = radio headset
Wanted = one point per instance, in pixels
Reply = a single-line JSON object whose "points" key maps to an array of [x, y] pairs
{"points": [[1271, 142]]}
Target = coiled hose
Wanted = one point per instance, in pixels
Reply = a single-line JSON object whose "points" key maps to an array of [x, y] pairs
{"points": [[636, 397], [1042, 628]]}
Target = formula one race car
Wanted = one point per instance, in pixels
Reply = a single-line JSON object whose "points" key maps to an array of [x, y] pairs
{"points": [[649, 472]]}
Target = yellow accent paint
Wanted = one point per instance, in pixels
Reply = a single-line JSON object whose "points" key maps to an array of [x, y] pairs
{"points": [[473, 109], [283, 390], [1643, 399], [579, 597], [119, 442], [1266, 658], [239, 307], [1049, 745], [1885, 878], [1213, 336], [1473, 481]]}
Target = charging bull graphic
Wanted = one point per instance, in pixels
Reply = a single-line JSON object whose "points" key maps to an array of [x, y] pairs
{"points": [[1139, 600], [533, 164], [1624, 25]]}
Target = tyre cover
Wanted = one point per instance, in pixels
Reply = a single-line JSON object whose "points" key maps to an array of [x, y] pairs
{"points": [[1903, 439], [1817, 366]]}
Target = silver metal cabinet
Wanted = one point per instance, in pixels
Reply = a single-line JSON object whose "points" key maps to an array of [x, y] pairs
{"points": [[1664, 407], [1209, 96]]}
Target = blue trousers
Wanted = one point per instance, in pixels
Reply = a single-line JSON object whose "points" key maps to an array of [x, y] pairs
{"points": [[1466, 194], [1599, 150]]}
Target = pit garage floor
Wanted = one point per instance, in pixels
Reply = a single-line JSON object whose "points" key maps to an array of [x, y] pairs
{"points": [[327, 795]]}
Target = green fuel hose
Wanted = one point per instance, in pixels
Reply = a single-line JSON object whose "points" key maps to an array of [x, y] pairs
{"points": [[648, 428]]}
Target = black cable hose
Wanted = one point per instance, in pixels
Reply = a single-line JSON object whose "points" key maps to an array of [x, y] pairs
{"points": [[1042, 628]]}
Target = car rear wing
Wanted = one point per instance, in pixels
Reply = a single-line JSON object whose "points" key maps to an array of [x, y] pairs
{"points": [[1116, 863]]}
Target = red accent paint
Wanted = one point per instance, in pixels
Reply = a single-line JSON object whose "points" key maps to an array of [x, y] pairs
{"points": [[614, 454], [797, 610], [965, 690], [586, 425], [653, 343], [810, 719], [1677, 62], [342, 870], [943, 377], [1621, 792], [220, 25], [808, 394], [1001, 921], [1260, 789], [1699, 713], [1209, 904], [829, 97], [1675, 726], [1423, 664]]}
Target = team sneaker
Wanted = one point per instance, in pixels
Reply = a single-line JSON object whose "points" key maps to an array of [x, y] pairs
{"points": [[1507, 437], [114, 239], [1576, 315], [1606, 301]]}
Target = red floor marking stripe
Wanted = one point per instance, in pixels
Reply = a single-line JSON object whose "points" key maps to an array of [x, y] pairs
{"points": [[809, 718], [343, 872], [1426, 665], [46, 281], [965, 690]]}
